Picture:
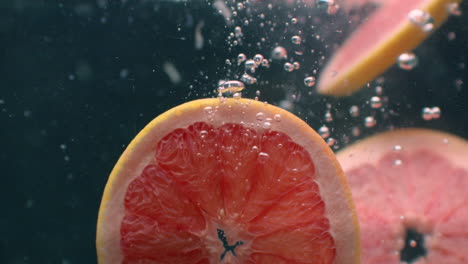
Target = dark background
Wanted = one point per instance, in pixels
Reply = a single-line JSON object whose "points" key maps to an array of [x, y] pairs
{"points": [[79, 79]]}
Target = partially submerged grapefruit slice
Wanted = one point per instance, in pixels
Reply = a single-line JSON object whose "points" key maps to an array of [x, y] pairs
{"points": [[376, 44], [227, 181], [410, 190]]}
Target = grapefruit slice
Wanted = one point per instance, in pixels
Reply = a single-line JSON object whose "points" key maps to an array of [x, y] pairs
{"points": [[378, 42], [227, 181], [410, 190]]}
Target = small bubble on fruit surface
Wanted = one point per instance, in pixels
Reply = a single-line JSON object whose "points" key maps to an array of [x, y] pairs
{"points": [[260, 116], [277, 117]]}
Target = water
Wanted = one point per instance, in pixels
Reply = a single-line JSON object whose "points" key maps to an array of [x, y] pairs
{"points": [[80, 79]]}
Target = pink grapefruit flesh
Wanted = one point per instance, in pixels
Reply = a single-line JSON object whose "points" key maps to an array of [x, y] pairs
{"points": [[209, 182], [376, 44], [410, 189]]}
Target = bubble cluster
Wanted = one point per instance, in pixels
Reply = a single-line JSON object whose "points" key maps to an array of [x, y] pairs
{"points": [[430, 113], [258, 59], [421, 19], [247, 79]]}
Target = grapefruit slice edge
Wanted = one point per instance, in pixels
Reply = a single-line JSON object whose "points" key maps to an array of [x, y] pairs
{"points": [[377, 43], [328, 176]]}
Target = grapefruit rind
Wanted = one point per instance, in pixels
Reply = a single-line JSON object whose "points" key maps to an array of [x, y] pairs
{"points": [[405, 37], [329, 176]]}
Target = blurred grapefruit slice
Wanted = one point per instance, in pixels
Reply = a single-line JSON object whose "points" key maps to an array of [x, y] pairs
{"points": [[227, 181], [410, 190], [377, 43]]}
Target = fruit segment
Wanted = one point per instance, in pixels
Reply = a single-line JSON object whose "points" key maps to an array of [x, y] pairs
{"points": [[192, 190], [396, 27]]}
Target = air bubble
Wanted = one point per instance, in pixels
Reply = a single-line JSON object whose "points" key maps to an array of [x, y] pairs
{"points": [[370, 121], [375, 102], [296, 40], [241, 58], [230, 86], [379, 90], [238, 32], [258, 58], [263, 156], [208, 110], [203, 134], [426, 113], [289, 67], [328, 117], [436, 112], [324, 4], [296, 65], [250, 64], [265, 63], [328, 5], [421, 19], [277, 117], [309, 81], [397, 148], [354, 111], [293, 20], [331, 142], [407, 61], [454, 9], [266, 125], [247, 79], [279, 53], [324, 132], [260, 116]]}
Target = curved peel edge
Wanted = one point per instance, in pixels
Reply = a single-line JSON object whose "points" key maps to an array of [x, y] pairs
{"points": [[338, 80], [329, 176]]}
